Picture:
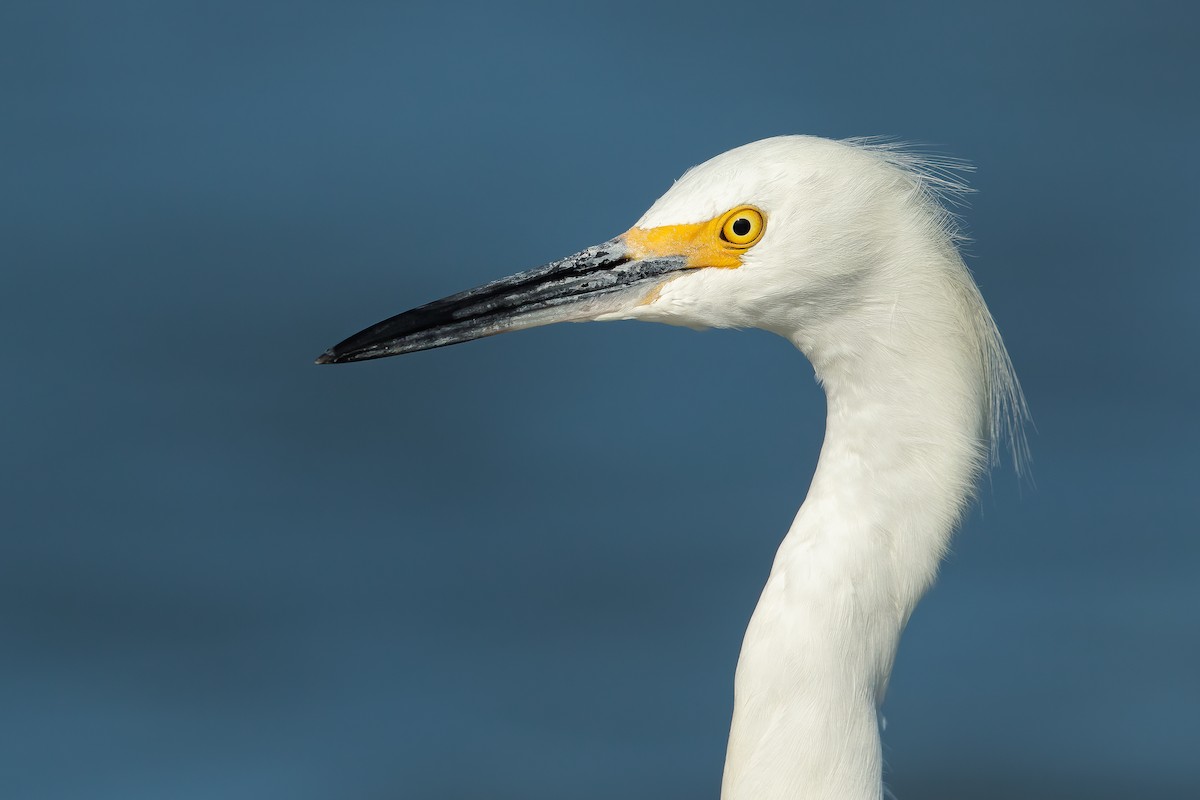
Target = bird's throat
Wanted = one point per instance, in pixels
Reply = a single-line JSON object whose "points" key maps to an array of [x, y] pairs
{"points": [[903, 446]]}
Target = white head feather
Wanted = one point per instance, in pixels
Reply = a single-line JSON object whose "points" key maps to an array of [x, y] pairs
{"points": [[852, 224]]}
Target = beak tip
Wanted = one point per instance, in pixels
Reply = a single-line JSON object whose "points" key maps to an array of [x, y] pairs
{"points": [[326, 358]]}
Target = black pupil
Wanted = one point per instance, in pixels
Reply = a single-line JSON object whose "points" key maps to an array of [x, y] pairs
{"points": [[741, 226]]}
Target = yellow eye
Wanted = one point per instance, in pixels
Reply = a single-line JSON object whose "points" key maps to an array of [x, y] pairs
{"points": [[743, 226]]}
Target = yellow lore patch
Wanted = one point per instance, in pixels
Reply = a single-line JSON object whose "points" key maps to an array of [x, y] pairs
{"points": [[718, 242]]}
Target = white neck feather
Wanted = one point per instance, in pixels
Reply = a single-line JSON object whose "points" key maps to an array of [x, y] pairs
{"points": [[909, 385]]}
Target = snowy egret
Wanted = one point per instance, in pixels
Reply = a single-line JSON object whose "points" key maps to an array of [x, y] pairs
{"points": [[845, 249]]}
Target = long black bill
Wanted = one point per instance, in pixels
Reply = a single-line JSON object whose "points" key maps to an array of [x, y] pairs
{"points": [[584, 286]]}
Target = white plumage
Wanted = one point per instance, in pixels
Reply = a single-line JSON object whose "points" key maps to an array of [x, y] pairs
{"points": [[860, 271], [857, 265]]}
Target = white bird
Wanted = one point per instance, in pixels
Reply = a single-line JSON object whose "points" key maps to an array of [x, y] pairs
{"points": [[845, 249]]}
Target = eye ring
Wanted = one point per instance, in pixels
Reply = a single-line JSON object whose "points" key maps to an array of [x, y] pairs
{"points": [[743, 227]]}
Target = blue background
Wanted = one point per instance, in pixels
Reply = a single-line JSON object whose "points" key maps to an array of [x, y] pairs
{"points": [[521, 568]]}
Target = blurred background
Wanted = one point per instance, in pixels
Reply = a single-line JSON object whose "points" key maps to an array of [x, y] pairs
{"points": [[228, 573]]}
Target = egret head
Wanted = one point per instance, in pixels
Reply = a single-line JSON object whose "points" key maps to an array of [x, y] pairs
{"points": [[781, 234]]}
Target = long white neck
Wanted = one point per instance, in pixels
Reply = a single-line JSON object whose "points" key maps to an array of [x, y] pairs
{"points": [[905, 439]]}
